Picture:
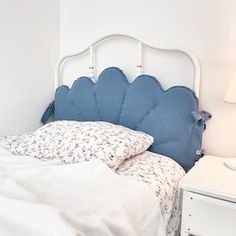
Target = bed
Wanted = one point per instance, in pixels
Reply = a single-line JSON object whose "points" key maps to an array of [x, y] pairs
{"points": [[161, 133]]}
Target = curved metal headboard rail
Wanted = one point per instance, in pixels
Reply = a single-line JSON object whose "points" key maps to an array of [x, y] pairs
{"points": [[193, 58]]}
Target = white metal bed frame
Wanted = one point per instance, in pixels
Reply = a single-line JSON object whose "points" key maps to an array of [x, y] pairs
{"points": [[193, 58]]}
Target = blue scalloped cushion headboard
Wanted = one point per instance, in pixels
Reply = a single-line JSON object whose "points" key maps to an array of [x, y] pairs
{"points": [[141, 105]]}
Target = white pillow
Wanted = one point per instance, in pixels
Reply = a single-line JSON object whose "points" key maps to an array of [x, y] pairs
{"points": [[7, 141], [74, 141]]}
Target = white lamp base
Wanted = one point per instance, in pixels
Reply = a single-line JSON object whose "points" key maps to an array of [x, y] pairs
{"points": [[231, 164]]}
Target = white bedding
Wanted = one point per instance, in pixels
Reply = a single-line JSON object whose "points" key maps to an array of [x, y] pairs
{"points": [[47, 198], [160, 173]]}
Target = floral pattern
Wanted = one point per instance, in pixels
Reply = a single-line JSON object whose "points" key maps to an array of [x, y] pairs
{"points": [[8, 141], [162, 174], [74, 141]]}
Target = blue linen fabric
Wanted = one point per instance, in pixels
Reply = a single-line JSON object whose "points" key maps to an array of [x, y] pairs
{"points": [[142, 105]]}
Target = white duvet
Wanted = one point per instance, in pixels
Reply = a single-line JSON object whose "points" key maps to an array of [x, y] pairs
{"points": [[47, 199]]}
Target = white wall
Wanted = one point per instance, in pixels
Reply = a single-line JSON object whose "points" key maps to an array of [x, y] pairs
{"points": [[206, 27], [29, 42]]}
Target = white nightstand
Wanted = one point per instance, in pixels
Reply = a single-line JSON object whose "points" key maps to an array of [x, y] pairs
{"points": [[209, 199]]}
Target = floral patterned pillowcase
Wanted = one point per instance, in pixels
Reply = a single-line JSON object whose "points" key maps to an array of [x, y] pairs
{"points": [[74, 141], [8, 141]]}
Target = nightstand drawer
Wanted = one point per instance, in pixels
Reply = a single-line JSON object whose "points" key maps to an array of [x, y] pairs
{"points": [[208, 216]]}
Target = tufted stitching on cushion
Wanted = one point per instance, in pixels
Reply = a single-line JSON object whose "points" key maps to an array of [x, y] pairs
{"points": [[72, 101], [95, 97], [187, 131], [100, 77], [146, 115], [122, 104], [77, 109], [165, 141]]}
